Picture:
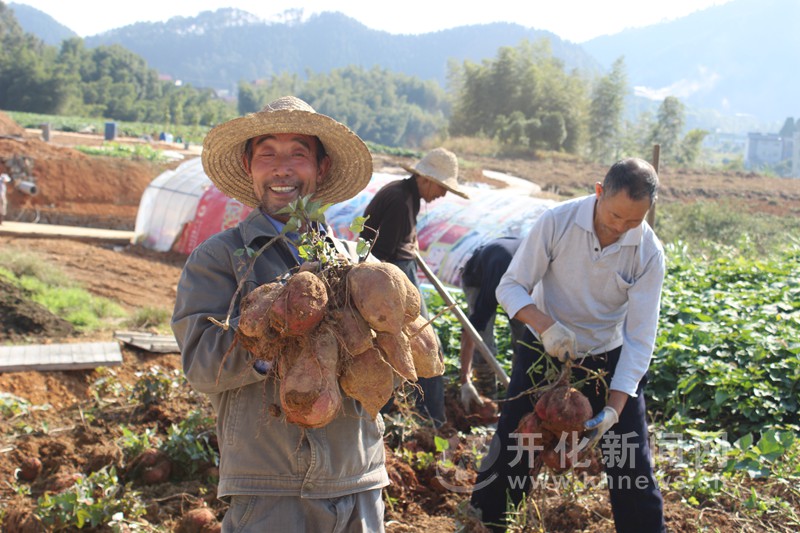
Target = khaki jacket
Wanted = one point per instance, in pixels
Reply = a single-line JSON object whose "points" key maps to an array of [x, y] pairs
{"points": [[261, 454]]}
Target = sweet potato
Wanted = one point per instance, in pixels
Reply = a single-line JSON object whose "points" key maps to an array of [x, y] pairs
{"points": [[309, 389], [563, 408], [557, 462], [379, 292], [254, 309], [266, 347], [424, 348], [354, 332], [397, 351], [300, 306], [29, 469], [369, 379], [555, 427], [151, 467], [199, 520], [537, 436]]}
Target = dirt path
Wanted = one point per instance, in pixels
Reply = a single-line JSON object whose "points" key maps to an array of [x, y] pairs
{"points": [[132, 276]]}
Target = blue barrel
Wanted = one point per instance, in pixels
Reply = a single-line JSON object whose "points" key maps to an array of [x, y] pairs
{"points": [[111, 131]]}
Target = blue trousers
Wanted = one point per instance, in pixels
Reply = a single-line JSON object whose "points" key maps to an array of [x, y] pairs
{"points": [[636, 500]]}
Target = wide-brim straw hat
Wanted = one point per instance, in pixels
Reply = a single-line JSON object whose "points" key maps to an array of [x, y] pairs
{"points": [[439, 165], [224, 145]]}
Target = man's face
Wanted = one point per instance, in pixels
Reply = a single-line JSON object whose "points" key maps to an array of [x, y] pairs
{"points": [[284, 167], [429, 190], [614, 215]]}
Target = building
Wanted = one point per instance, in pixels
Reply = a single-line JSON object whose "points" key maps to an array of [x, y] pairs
{"points": [[770, 150], [796, 155]]}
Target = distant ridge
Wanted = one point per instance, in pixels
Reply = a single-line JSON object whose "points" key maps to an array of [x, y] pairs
{"points": [[41, 24], [215, 48], [733, 63]]}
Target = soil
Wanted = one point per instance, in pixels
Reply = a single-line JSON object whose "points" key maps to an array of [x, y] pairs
{"points": [[104, 192]]}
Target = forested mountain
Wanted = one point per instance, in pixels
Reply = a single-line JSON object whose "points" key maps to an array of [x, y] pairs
{"points": [[41, 24], [220, 48], [735, 59]]}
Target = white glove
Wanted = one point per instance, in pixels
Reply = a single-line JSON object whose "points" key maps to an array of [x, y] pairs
{"points": [[560, 342], [469, 396], [598, 425]]}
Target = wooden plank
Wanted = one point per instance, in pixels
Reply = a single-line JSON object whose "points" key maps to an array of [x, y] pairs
{"points": [[148, 341], [52, 357]]}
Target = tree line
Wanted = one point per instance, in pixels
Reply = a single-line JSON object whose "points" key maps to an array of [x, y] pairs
{"points": [[524, 99]]}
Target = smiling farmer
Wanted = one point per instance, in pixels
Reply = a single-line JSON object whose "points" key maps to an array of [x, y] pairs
{"points": [[276, 475]]}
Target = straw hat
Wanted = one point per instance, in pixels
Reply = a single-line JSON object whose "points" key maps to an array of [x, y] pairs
{"points": [[223, 147], [439, 165]]}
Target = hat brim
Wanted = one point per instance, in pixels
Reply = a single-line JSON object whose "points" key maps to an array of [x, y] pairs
{"points": [[450, 188], [224, 145]]}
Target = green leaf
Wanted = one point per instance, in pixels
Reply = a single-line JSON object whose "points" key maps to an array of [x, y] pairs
{"points": [[293, 225], [745, 442], [357, 225], [362, 248]]}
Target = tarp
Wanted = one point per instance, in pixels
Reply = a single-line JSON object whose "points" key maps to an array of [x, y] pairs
{"points": [[181, 208], [215, 212], [450, 228], [169, 202]]}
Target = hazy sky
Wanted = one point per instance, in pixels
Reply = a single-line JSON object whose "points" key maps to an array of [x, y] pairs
{"points": [[574, 20]]}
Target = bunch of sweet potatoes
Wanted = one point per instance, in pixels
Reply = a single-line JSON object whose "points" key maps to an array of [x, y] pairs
{"points": [[553, 431], [350, 330]]}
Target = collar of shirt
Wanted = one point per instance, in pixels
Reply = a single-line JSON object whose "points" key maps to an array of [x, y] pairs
{"points": [[292, 236]]}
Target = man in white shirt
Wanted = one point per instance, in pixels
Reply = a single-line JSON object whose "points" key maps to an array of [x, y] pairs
{"points": [[587, 282]]}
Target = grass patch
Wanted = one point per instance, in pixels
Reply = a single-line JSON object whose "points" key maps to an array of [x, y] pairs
{"points": [[194, 134], [150, 318], [710, 228], [141, 152], [18, 264], [51, 288], [480, 146]]}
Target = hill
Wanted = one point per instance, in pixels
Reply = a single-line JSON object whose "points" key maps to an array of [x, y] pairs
{"points": [[214, 49], [41, 24], [731, 64]]}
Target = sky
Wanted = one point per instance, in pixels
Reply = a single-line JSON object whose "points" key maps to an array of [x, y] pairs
{"points": [[573, 20]]}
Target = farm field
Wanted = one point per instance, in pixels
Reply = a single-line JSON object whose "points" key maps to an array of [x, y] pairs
{"points": [[89, 427]]}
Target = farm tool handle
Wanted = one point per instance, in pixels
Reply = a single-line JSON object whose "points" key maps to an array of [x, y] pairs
{"points": [[468, 327]]}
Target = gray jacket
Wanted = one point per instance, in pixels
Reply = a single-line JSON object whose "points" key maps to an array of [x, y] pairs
{"points": [[261, 454]]}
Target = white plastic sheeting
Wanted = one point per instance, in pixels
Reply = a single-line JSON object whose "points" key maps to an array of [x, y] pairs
{"points": [[449, 229], [168, 203]]}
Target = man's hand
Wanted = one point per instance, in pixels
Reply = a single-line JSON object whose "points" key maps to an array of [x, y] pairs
{"points": [[469, 396], [596, 427], [560, 342]]}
